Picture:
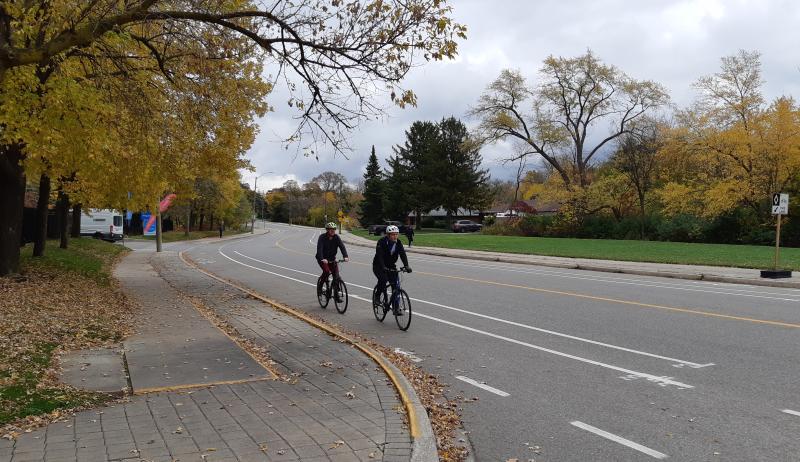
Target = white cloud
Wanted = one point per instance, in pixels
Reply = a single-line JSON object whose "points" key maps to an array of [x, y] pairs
{"points": [[671, 42]]}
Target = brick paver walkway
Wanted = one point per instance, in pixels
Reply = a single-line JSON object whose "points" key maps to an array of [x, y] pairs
{"points": [[331, 403]]}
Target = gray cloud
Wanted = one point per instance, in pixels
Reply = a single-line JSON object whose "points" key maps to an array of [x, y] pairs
{"points": [[671, 42]]}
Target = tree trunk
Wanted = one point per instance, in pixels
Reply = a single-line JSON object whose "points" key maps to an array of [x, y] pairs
{"points": [[12, 200], [641, 215], [76, 220], [158, 231], [211, 222], [202, 218], [40, 233], [419, 220], [188, 222], [63, 218]]}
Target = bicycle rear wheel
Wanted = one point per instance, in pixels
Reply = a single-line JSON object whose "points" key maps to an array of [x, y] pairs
{"points": [[322, 292], [378, 302], [340, 292], [404, 307]]}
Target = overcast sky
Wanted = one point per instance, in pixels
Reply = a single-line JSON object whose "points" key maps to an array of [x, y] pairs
{"points": [[671, 42]]}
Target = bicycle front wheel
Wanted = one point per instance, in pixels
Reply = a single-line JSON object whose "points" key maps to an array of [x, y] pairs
{"points": [[322, 292], [378, 302], [403, 314], [340, 293]]}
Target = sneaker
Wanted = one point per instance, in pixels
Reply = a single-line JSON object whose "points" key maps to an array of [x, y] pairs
{"points": [[397, 311]]}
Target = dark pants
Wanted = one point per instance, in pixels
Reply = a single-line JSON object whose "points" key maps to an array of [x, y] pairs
{"points": [[386, 276]]}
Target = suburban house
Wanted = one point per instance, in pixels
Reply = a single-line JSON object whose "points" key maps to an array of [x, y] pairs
{"points": [[533, 206]]}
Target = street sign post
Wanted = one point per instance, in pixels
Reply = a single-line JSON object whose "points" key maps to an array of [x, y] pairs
{"points": [[780, 207]]}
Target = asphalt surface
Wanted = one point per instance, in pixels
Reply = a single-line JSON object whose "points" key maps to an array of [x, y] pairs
{"points": [[570, 365]]}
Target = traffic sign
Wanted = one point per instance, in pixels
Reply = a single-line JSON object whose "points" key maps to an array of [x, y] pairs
{"points": [[780, 204]]}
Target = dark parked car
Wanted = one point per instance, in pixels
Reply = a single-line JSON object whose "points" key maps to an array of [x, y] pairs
{"points": [[381, 229], [462, 226]]}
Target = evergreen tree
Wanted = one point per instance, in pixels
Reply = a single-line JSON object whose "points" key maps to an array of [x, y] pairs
{"points": [[460, 183], [418, 158], [397, 189], [372, 205]]}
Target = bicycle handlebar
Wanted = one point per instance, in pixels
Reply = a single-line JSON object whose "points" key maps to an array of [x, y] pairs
{"points": [[402, 269]]}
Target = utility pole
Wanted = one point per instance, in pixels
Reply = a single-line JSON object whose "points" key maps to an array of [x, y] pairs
{"points": [[255, 193]]}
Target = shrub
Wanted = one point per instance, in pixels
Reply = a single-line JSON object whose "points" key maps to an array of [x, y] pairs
{"points": [[681, 228]]}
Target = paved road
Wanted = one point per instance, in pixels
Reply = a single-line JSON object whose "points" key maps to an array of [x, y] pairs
{"points": [[584, 366]]}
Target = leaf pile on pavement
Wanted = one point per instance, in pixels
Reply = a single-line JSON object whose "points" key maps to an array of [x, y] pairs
{"points": [[443, 412], [51, 308]]}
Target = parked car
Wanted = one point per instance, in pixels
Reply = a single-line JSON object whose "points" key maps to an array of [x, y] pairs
{"points": [[381, 229], [463, 226]]}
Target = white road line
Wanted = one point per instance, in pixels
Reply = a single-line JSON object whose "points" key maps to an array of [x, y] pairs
{"points": [[483, 385], [619, 439], [661, 285], [676, 362], [630, 374], [660, 380], [408, 355], [789, 411]]}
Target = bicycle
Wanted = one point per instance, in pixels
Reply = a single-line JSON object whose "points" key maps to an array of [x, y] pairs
{"points": [[399, 297], [333, 287]]}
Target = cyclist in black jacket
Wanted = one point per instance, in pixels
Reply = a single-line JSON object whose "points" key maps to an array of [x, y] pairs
{"points": [[386, 252], [327, 246]]}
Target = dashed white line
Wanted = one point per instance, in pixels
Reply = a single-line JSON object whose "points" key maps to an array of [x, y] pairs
{"points": [[630, 374], [620, 440], [676, 362], [483, 386], [789, 411]]}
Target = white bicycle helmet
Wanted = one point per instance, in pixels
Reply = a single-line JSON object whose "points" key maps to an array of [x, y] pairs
{"points": [[330, 225], [392, 229]]}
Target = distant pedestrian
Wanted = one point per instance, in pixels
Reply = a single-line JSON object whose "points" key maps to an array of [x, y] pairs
{"points": [[221, 227], [410, 234]]}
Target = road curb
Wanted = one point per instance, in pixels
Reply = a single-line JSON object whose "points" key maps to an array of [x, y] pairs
{"points": [[422, 436], [363, 242]]}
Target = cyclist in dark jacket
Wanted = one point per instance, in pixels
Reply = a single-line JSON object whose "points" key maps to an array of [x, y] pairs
{"points": [[384, 264], [327, 246]]}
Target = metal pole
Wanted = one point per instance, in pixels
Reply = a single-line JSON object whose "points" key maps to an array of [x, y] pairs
{"points": [[255, 191], [778, 243]]}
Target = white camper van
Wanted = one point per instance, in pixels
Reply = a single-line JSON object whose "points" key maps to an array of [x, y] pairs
{"points": [[102, 224]]}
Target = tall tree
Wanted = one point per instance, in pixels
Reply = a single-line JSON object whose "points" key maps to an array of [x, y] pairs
{"points": [[398, 191], [332, 185], [159, 47], [372, 204], [562, 118], [418, 166], [636, 157], [461, 181]]}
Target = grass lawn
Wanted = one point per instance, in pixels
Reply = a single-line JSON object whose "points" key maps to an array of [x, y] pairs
{"points": [[743, 256], [173, 236], [63, 301], [85, 256]]}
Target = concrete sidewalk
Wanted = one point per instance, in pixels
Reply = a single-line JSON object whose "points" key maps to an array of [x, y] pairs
{"points": [[692, 272], [329, 401]]}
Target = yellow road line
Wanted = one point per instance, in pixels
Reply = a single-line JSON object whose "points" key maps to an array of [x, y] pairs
{"points": [[589, 297], [144, 391], [412, 416]]}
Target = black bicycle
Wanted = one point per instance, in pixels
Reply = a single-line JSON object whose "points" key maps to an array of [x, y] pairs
{"points": [[399, 299], [333, 287]]}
